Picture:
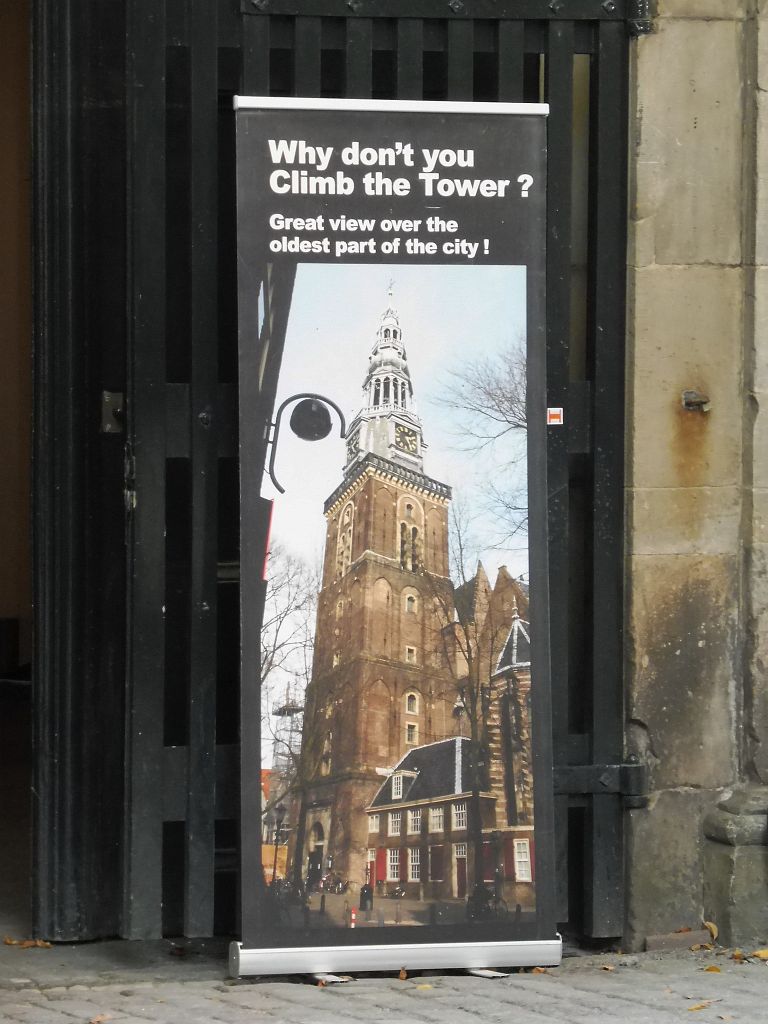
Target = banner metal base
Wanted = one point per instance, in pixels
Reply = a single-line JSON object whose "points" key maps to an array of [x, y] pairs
{"points": [[411, 956]]}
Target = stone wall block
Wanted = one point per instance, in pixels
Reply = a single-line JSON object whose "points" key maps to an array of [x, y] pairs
{"points": [[760, 342], [730, 10], [687, 136], [665, 863], [682, 648], [735, 866], [676, 520], [687, 324]]}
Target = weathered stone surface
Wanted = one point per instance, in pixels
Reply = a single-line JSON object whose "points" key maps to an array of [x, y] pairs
{"points": [[731, 10], [687, 135], [683, 645], [736, 866], [759, 353], [687, 324], [675, 520], [757, 674], [664, 851]]}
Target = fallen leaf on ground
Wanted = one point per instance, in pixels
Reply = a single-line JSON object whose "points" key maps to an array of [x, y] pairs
{"points": [[702, 1006], [698, 946], [424, 986], [100, 1018], [321, 983], [712, 929], [28, 943], [608, 967], [737, 955], [712, 969], [403, 974], [539, 970], [11, 942], [679, 931], [761, 954]]}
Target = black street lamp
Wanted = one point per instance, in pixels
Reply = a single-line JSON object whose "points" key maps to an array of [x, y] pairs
{"points": [[310, 421], [279, 819]]}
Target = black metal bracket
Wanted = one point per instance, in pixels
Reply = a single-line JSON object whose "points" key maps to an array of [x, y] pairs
{"points": [[640, 14], [631, 781]]}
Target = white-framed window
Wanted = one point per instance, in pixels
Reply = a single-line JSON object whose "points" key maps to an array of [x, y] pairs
{"points": [[523, 860], [397, 787], [411, 703], [395, 819], [410, 655], [410, 604], [411, 733], [414, 821], [460, 814], [374, 822], [393, 866], [414, 864], [336, 658], [461, 850], [436, 819]]}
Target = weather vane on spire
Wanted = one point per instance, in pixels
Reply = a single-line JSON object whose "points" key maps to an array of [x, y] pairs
{"points": [[390, 287]]}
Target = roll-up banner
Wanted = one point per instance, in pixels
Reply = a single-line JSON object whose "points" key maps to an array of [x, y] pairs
{"points": [[396, 763]]}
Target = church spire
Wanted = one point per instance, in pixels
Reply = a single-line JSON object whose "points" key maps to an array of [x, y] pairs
{"points": [[387, 425]]}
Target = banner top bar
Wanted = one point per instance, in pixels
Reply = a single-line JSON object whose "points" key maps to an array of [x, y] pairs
{"points": [[396, 106]]}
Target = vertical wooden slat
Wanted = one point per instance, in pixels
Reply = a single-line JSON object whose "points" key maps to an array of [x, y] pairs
{"points": [[142, 878], [606, 330], [306, 66], [255, 56], [410, 59], [559, 94], [460, 59], [511, 59], [359, 57], [201, 752]]}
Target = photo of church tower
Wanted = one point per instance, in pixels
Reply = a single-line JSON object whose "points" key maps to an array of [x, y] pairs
{"points": [[406, 784], [382, 679]]}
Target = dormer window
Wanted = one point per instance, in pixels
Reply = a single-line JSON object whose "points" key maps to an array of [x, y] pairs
{"points": [[397, 787]]}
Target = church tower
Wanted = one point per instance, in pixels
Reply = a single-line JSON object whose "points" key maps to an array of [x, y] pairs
{"points": [[383, 678]]}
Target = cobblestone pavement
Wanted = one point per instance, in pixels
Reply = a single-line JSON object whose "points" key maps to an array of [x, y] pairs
{"points": [[658, 988]]}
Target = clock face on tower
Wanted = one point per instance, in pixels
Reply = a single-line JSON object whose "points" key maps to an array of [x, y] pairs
{"points": [[406, 439], [352, 447]]}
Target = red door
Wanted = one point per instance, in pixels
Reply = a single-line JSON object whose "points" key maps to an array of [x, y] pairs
{"points": [[381, 864]]}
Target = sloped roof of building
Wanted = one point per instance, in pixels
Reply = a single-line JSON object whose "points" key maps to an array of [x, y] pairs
{"points": [[517, 650], [434, 770]]}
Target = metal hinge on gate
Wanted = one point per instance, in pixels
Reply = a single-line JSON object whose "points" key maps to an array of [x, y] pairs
{"points": [[640, 17], [631, 781], [129, 479]]}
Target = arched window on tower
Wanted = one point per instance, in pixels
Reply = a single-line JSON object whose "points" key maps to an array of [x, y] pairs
{"points": [[344, 542], [403, 546], [386, 332], [386, 391], [377, 392], [402, 394], [414, 549]]}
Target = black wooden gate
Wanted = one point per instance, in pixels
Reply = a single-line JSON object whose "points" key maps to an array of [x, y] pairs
{"points": [[137, 647]]}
